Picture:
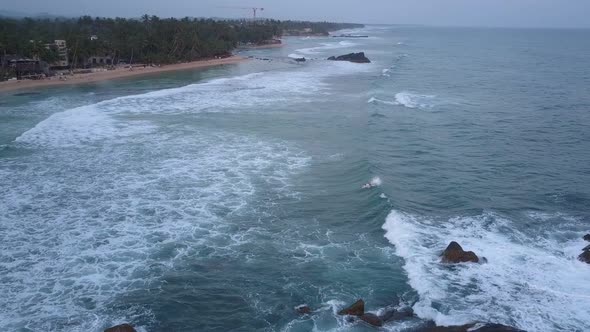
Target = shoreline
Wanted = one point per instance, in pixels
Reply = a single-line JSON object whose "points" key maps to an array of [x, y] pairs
{"points": [[76, 79], [260, 47]]}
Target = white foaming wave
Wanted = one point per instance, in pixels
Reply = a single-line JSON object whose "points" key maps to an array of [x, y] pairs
{"points": [[326, 47], [535, 285], [99, 121], [374, 100], [413, 100], [119, 217], [376, 181], [295, 56], [85, 124], [386, 72]]}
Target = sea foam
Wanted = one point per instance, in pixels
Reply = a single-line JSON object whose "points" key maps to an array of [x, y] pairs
{"points": [[413, 100], [326, 47], [115, 197], [536, 284]]}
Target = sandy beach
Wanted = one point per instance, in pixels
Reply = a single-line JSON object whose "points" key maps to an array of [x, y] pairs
{"points": [[8, 86]]}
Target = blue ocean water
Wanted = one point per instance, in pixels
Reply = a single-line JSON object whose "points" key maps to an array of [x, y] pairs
{"points": [[219, 200]]}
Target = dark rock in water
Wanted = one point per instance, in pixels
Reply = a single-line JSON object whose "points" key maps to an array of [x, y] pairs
{"points": [[121, 328], [585, 257], [393, 315], [431, 327], [303, 309], [586, 248], [356, 309], [372, 319], [350, 36], [469, 328], [455, 254], [587, 237], [497, 328], [299, 59], [352, 57]]}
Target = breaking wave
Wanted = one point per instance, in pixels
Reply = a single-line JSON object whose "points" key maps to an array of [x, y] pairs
{"points": [[326, 47], [409, 100], [412, 100], [374, 100], [534, 283]]}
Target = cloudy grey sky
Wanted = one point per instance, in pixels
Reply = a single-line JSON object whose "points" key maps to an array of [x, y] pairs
{"points": [[506, 13]]}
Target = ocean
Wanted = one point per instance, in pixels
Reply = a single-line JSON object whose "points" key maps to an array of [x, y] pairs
{"points": [[221, 199]]}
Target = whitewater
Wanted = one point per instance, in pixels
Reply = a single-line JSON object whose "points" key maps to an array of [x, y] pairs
{"points": [[222, 199]]}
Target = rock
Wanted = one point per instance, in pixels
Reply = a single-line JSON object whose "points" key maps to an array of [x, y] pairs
{"points": [[350, 36], [586, 248], [356, 309], [303, 309], [455, 254], [299, 59], [497, 328], [587, 237], [431, 327], [121, 328], [585, 257], [393, 315], [470, 328], [372, 319], [352, 57]]}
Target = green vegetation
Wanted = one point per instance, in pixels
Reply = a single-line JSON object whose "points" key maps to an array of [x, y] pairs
{"points": [[149, 39]]}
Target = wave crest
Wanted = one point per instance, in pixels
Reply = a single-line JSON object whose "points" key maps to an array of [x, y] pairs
{"points": [[536, 284]]}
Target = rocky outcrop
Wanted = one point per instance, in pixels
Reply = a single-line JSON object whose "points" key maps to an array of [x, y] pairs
{"points": [[497, 328], [470, 328], [352, 57], [394, 314], [303, 309], [372, 319], [455, 254], [299, 59], [121, 328], [585, 256], [356, 309], [350, 36]]}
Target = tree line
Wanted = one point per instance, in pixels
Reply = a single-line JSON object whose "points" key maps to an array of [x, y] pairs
{"points": [[149, 39]]}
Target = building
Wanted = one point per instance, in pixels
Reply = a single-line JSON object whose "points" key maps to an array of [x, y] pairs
{"points": [[61, 48], [29, 68], [97, 60]]}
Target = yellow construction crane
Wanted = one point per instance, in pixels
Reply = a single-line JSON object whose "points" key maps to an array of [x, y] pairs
{"points": [[253, 9]]}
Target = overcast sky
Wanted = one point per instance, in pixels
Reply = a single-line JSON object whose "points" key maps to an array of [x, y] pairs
{"points": [[505, 13]]}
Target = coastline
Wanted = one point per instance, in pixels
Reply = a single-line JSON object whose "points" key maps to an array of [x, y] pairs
{"points": [[10, 86], [260, 47]]}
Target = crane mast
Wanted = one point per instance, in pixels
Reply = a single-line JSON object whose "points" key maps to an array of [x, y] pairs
{"points": [[254, 10]]}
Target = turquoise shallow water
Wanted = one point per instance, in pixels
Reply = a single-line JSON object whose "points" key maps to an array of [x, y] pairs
{"points": [[219, 200]]}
